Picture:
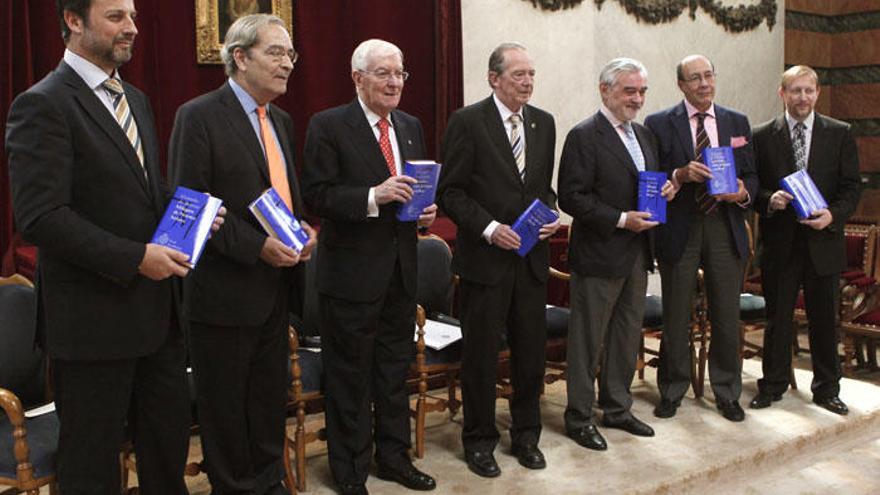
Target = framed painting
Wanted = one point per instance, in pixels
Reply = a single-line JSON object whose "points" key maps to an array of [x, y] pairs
{"points": [[213, 18]]}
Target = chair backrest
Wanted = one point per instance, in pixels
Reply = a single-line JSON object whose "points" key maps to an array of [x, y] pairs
{"points": [[861, 243], [435, 280], [22, 366]]}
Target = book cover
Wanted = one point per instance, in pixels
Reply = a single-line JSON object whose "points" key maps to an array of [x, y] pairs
{"points": [[721, 162], [427, 172], [186, 224], [529, 224], [650, 200], [807, 197], [278, 221]]}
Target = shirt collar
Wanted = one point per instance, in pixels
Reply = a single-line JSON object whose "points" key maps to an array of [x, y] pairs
{"points": [[808, 122], [248, 103], [503, 110], [692, 110], [93, 75], [372, 117], [615, 122]]}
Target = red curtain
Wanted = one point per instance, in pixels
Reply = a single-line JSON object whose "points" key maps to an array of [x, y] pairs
{"points": [[325, 33]]}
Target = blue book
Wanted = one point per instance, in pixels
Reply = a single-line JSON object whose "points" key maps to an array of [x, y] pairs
{"points": [[278, 221], [426, 172], [650, 200], [807, 197], [721, 162], [186, 224], [530, 222]]}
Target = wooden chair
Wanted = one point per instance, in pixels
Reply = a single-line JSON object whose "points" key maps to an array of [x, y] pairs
{"points": [[305, 396], [27, 445]]}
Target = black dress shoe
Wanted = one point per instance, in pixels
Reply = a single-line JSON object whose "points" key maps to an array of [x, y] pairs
{"points": [[833, 404], [589, 437], [764, 399], [482, 463], [630, 424], [529, 456], [408, 476], [352, 489], [666, 408], [731, 410]]}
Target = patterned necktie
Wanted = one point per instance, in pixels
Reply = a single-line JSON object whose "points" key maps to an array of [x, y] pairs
{"points": [[277, 168], [385, 145], [632, 145], [125, 117], [706, 203], [800, 146], [517, 145]]}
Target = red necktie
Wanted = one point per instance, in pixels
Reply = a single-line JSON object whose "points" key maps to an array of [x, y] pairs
{"points": [[385, 145]]}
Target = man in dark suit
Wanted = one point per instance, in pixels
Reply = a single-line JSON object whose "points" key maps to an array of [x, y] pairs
{"points": [[487, 181], [367, 268], [88, 191], [810, 252], [610, 253], [702, 231], [233, 144]]}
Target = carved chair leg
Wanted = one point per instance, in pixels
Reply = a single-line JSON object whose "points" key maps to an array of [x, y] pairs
{"points": [[289, 477], [849, 354]]}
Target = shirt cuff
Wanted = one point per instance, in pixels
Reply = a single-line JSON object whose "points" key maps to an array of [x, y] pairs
{"points": [[674, 179], [746, 202], [372, 207], [622, 220], [489, 230]]}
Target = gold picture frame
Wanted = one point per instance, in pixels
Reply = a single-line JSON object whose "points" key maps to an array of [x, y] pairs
{"points": [[213, 18]]}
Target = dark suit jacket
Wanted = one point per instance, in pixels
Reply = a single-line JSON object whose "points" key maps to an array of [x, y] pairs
{"points": [[598, 180], [479, 182], [214, 149], [80, 195], [673, 132], [343, 161], [833, 164]]}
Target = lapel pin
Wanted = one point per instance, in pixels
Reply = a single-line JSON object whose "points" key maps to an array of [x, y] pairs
{"points": [[533, 125], [409, 142]]}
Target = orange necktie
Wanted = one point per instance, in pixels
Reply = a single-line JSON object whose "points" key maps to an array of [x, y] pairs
{"points": [[277, 169]]}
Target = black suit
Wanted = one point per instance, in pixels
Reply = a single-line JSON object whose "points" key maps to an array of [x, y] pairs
{"points": [[366, 279], [81, 196], [598, 180], [237, 302], [500, 292], [717, 242], [795, 255]]}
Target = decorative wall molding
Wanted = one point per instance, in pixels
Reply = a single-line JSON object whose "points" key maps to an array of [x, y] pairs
{"points": [[733, 18]]}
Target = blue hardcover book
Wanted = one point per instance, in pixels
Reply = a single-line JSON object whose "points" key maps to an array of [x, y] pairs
{"points": [[529, 223], [278, 221], [426, 172], [807, 197], [650, 200], [721, 162], [186, 224]]}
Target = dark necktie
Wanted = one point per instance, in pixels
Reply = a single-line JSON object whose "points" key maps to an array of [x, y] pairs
{"points": [[800, 146]]}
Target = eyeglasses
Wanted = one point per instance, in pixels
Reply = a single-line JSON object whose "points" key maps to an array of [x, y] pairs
{"points": [[696, 78], [277, 54], [384, 75]]}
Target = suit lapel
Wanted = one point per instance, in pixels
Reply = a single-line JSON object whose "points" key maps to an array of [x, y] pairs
{"points": [[784, 146], [364, 140], [722, 120], [647, 151], [107, 122], [242, 128], [499, 137], [817, 144], [284, 141], [682, 125], [610, 138]]}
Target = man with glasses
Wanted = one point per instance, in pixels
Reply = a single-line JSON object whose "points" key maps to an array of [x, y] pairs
{"points": [[705, 231], [234, 144], [498, 158], [366, 273]]}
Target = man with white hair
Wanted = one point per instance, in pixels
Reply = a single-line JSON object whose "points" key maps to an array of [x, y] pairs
{"points": [[611, 250], [366, 273]]}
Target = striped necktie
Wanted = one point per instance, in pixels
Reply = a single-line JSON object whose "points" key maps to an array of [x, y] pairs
{"points": [[706, 203], [125, 117], [632, 145], [517, 145]]}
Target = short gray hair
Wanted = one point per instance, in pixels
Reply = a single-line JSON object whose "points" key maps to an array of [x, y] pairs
{"points": [[496, 59], [614, 68], [360, 59], [243, 34]]}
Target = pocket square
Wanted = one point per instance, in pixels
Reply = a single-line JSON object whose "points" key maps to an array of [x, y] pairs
{"points": [[738, 141]]}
